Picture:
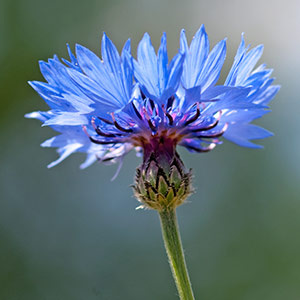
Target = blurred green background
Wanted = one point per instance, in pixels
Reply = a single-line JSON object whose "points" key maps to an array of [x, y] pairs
{"points": [[71, 234]]}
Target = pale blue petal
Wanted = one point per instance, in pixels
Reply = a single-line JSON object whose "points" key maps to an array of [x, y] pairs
{"points": [[90, 159], [39, 115], [65, 152], [268, 95], [68, 119]]}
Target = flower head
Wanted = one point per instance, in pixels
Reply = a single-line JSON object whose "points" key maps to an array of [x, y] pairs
{"points": [[106, 107]]}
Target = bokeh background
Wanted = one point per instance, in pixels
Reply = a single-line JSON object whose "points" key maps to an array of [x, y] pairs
{"points": [[71, 234]]}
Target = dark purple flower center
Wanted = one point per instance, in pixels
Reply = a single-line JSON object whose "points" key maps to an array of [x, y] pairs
{"points": [[156, 129]]}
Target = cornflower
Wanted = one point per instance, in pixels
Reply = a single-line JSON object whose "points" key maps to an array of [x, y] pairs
{"points": [[107, 107]]}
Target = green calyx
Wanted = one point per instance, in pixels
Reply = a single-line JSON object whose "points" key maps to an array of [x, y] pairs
{"points": [[160, 187]]}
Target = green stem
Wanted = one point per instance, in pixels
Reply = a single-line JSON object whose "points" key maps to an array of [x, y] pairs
{"points": [[172, 241]]}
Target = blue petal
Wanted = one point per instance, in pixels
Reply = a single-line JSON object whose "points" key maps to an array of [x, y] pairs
{"points": [[127, 46], [55, 141], [65, 152], [67, 118], [248, 63], [127, 69], [157, 79], [231, 78], [90, 159], [192, 96], [50, 94], [243, 64], [213, 65], [112, 62], [39, 115], [105, 77], [242, 133], [90, 63], [57, 76], [258, 78], [90, 89], [145, 70], [268, 95], [235, 98], [195, 56], [48, 73], [174, 71], [74, 63], [162, 63], [243, 116], [215, 91]]}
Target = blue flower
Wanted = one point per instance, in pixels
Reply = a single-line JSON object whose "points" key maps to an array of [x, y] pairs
{"points": [[106, 107]]}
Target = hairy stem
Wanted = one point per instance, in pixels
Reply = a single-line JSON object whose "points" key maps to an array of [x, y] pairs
{"points": [[172, 241]]}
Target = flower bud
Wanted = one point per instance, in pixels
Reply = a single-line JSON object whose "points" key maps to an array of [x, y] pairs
{"points": [[162, 181]]}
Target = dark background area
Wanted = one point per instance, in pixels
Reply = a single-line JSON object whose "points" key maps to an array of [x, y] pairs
{"points": [[71, 234]]}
